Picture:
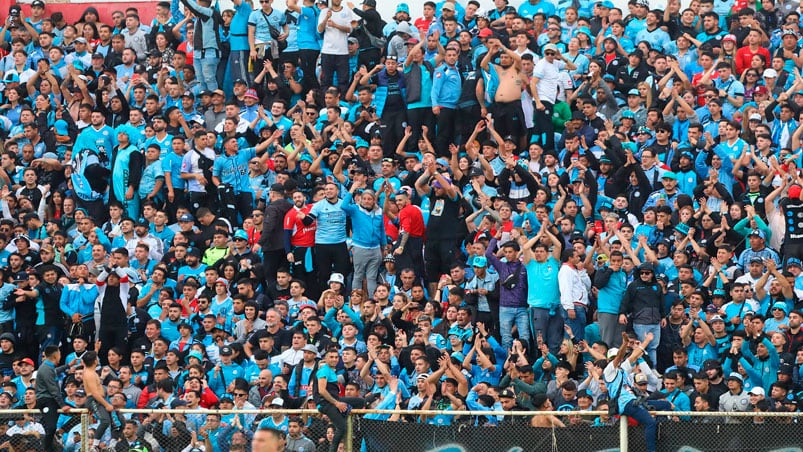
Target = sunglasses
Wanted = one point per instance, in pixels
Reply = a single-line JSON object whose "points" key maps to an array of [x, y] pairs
{"points": [[645, 273], [549, 53]]}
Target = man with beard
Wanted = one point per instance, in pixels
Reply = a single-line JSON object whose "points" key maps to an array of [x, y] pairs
{"points": [[160, 138], [299, 238], [507, 112]]}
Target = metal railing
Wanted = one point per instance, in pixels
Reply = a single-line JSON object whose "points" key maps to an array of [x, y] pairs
{"points": [[718, 429]]}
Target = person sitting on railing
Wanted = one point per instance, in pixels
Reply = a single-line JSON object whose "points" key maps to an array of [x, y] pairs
{"points": [[542, 403]]}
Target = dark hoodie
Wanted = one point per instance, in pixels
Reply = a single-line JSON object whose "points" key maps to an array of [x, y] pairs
{"points": [[643, 301]]}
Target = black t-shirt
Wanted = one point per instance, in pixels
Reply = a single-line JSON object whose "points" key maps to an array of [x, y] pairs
{"points": [[444, 218]]}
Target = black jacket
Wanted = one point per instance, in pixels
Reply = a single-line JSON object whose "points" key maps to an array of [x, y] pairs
{"points": [[272, 238]]}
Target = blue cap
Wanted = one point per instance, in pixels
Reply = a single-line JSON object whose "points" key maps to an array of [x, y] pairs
{"points": [[306, 158], [780, 305], [240, 234], [758, 233], [360, 143], [634, 92], [605, 4], [480, 261], [628, 114], [669, 175], [61, 127], [583, 30], [793, 262], [403, 8], [609, 78]]}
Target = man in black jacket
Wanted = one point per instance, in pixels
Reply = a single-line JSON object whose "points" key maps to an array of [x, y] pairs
{"points": [[48, 394], [643, 303], [272, 239], [371, 23]]}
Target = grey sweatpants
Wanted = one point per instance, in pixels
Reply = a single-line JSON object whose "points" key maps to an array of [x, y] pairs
{"points": [[367, 262], [610, 329]]}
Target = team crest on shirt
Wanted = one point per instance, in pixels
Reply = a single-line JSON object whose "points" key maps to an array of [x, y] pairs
{"points": [[438, 75]]}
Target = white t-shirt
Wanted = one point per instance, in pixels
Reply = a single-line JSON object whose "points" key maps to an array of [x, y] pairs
{"points": [[548, 79], [335, 42]]}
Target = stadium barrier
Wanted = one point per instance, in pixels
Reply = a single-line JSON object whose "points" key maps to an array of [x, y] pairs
{"points": [[166, 430]]}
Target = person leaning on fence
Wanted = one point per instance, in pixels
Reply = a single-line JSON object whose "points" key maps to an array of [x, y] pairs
{"points": [[622, 400], [326, 392], [48, 394]]}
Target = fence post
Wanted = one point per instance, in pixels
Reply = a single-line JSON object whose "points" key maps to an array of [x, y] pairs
{"points": [[623, 433], [350, 433], [85, 431]]}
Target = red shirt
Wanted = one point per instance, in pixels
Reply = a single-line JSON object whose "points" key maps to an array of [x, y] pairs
{"points": [[744, 57], [411, 221], [391, 230], [303, 236]]}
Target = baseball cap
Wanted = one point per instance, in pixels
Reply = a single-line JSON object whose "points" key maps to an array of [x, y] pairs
{"points": [[769, 73], [757, 390], [757, 233], [716, 318], [634, 92], [550, 47], [412, 41], [186, 218], [669, 175], [28, 361], [226, 351], [485, 33], [711, 364], [277, 401], [793, 262], [80, 40], [736, 376], [448, 5], [241, 81], [760, 89], [480, 261], [37, 4], [507, 394], [310, 348], [729, 37], [640, 378], [240, 234], [754, 117]]}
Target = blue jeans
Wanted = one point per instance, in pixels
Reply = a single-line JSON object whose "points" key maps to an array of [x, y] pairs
{"points": [[549, 325], [643, 417], [578, 325], [205, 65], [509, 316], [642, 330]]}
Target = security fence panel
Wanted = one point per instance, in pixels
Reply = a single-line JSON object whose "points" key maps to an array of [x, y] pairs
{"points": [[773, 435]]}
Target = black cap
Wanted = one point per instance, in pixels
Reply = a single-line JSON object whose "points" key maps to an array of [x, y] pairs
{"points": [[278, 188], [226, 351]]}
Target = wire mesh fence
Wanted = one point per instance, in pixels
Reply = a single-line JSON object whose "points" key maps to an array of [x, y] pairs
{"points": [[404, 431]]}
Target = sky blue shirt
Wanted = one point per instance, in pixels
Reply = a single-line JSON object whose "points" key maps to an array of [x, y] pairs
{"points": [[331, 222]]}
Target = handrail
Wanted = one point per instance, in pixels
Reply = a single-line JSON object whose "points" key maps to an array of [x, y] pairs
{"points": [[452, 413]]}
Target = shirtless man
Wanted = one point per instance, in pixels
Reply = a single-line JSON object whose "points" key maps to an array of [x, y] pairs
{"points": [[507, 112], [95, 396], [542, 403]]}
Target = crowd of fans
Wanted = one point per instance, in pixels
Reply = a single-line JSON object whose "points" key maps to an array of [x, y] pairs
{"points": [[550, 205]]}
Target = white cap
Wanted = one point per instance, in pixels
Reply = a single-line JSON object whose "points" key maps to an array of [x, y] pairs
{"points": [[278, 401], [758, 390], [612, 352]]}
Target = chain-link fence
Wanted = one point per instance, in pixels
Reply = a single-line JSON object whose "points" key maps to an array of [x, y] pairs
{"points": [[403, 431]]}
